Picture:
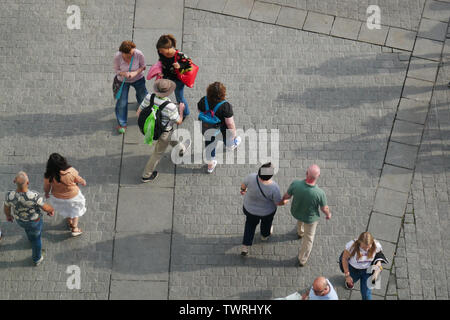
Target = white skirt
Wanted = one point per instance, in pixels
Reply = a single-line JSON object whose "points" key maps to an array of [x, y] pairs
{"points": [[69, 208]]}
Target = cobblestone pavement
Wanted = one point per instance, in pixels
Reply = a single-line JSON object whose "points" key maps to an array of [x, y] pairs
{"points": [[334, 102]]}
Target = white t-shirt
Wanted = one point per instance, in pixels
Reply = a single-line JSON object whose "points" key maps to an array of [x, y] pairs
{"points": [[364, 262]]}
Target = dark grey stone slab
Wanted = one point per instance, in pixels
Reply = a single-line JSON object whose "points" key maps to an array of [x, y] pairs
{"points": [[159, 14], [423, 69], [139, 290], [375, 36], [145, 210], [384, 227], [412, 110], [431, 29], [401, 155], [265, 12], [132, 134], [390, 202], [215, 6], [416, 89], [141, 256], [238, 8], [400, 39], [318, 22], [134, 160], [427, 49], [437, 10], [407, 132], [291, 17], [346, 28], [396, 178]]}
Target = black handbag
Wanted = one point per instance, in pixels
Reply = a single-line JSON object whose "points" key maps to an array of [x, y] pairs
{"points": [[116, 86]]}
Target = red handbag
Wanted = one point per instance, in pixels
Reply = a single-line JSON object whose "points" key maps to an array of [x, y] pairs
{"points": [[187, 77]]}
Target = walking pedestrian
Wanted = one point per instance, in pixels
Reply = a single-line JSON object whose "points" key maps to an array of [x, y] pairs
{"points": [[170, 114], [129, 65], [61, 180], [27, 206], [214, 103], [308, 199], [261, 197], [166, 47], [322, 289], [356, 262]]}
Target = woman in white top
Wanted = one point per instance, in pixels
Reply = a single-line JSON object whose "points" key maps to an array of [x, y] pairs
{"points": [[356, 262]]}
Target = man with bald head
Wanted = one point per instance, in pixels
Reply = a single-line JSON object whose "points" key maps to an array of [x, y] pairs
{"points": [[322, 289], [308, 199], [27, 210]]}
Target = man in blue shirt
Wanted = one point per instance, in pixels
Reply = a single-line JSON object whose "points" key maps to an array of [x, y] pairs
{"points": [[322, 289]]}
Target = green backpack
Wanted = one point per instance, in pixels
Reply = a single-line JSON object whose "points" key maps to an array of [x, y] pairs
{"points": [[149, 121]]}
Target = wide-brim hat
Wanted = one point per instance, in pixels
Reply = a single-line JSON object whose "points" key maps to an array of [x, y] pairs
{"points": [[163, 87]]}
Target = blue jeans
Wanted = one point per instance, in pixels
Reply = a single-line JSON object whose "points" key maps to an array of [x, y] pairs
{"points": [[33, 230], [251, 222], [361, 274], [122, 103], [179, 94]]}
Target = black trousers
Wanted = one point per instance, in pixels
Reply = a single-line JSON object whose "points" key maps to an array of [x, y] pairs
{"points": [[250, 226]]}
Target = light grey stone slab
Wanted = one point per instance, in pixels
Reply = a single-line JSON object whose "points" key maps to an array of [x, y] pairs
{"points": [[401, 155], [215, 6], [346, 28], [396, 178], [375, 36], [423, 69], [431, 29], [160, 14], [238, 8], [412, 110], [191, 4], [385, 227], [265, 12], [400, 39], [139, 290], [291, 17], [388, 251], [390, 202], [417, 89], [145, 40], [437, 10], [318, 22], [141, 256], [134, 160], [145, 210], [407, 132], [427, 49]]}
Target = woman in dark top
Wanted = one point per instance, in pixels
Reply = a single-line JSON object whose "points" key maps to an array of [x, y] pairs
{"points": [[216, 93], [166, 51]]}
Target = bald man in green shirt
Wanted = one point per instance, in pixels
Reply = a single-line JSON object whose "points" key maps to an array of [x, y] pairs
{"points": [[308, 199]]}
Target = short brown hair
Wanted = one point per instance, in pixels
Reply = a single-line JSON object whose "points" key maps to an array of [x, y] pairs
{"points": [[215, 93], [126, 46], [166, 41]]}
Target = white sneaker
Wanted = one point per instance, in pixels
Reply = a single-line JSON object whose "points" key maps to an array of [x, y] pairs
{"points": [[214, 164], [236, 143], [265, 238], [39, 261]]}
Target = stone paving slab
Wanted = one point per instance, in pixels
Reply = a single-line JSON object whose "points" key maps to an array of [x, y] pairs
{"points": [[417, 90], [412, 110], [407, 132], [131, 249], [437, 10], [238, 8], [427, 49], [346, 28], [216, 6], [401, 155], [161, 13], [375, 36], [145, 210], [291, 17], [396, 178], [431, 29], [138, 290], [385, 227], [389, 253], [390, 202], [423, 69], [318, 22], [265, 12], [400, 39]]}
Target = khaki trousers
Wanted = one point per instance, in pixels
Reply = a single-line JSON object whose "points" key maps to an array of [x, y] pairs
{"points": [[307, 231], [160, 147]]}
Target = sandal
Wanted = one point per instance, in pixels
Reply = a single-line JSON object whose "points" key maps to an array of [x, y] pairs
{"points": [[76, 232]]}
